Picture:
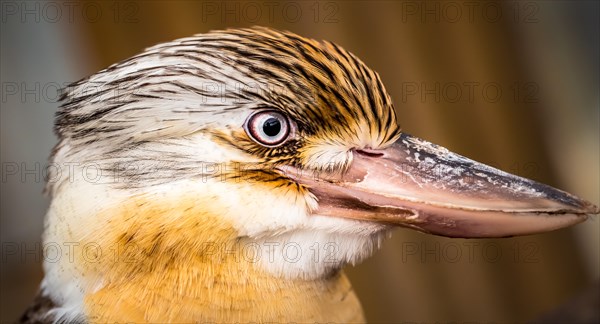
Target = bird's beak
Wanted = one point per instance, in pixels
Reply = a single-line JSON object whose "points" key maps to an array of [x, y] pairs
{"points": [[418, 184]]}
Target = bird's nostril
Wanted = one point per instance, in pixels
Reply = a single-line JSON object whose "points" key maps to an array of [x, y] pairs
{"points": [[369, 152]]}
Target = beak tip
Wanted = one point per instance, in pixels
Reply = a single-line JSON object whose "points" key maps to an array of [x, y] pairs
{"points": [[592, 209], [584, 207]]}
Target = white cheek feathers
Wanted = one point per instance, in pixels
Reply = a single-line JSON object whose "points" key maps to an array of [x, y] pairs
{"points": [[320, 246]]}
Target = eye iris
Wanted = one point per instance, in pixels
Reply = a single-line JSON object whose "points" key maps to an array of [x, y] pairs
{"points": [[268, 128], [272, 126]]}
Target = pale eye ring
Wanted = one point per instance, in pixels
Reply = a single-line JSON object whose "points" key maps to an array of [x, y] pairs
{"points": [[268, 128]]}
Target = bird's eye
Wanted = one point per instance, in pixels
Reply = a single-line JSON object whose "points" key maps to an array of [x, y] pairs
{"points": [[269, 128]]}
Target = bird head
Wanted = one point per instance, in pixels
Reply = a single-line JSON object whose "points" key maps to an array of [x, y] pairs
{"points": [[267, 138]]}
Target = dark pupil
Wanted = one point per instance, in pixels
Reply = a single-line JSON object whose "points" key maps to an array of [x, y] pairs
{"points": [[272, 126]]}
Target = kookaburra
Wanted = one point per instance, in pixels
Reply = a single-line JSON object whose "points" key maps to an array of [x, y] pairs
{"points": [[230, 176]]}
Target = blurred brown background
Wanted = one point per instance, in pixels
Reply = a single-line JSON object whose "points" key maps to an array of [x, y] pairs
{"points": [[512, 84]]}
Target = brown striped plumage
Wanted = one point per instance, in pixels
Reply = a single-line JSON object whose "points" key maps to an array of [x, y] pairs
{"points": [[329, 92], [137, 111]]}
